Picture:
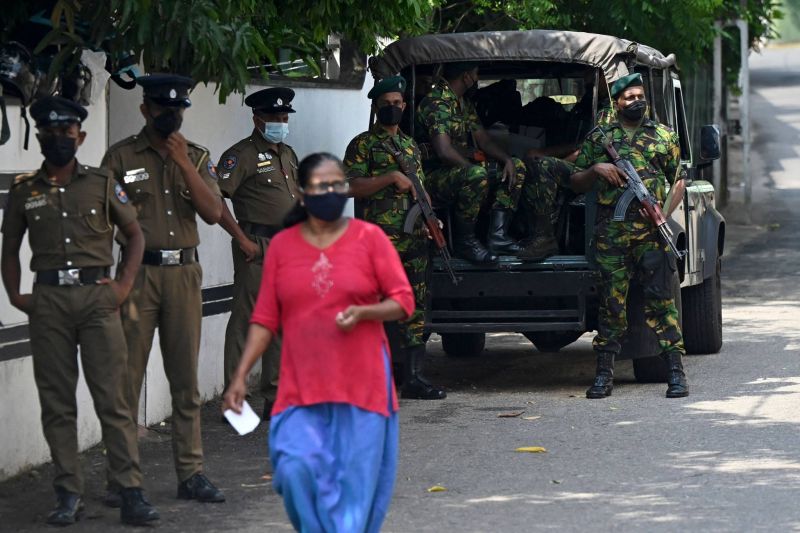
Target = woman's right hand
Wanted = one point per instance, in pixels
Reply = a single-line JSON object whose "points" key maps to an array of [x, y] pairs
{"points": [[234, 395]]}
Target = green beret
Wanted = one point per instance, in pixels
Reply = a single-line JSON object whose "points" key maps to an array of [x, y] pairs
{"points": [[451, 70], [395, 84], [631, 80]]}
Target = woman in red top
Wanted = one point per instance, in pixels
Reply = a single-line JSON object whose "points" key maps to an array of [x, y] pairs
{"points": [[329, 283]]}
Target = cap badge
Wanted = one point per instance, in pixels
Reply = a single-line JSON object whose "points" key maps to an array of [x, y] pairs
{"points": [[173, 93], [53, 115], [278, 102]]}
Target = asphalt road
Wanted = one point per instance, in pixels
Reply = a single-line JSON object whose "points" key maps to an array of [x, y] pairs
{"points": [[724, 459]]}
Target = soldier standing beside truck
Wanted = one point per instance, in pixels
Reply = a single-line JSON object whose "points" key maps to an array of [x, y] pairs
{"points": [[631, 247]]}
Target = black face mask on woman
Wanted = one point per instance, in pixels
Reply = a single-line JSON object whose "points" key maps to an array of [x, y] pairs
{"points": [[167, 122], [58, 150], [328, 206], [634, 112], [389, 115]]}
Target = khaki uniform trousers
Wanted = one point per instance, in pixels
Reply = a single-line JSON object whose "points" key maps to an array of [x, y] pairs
{"points": [[246, 283], [170, 298], [63, 318]]}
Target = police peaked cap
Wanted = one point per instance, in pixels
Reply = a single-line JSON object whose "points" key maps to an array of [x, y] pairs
{"points": [[631, 80], [395, 84], [272, 100], [167, 89], [52, 110]]}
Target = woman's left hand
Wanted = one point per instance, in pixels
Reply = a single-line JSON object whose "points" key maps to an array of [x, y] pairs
{"points": [[347, 319]]}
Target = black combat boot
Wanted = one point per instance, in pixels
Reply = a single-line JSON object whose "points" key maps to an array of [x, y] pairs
{"points": [[498, 241], [677, 387], [416, 387], [198, 487], [466, 245], [68, 510], [543, 244], [604, 380], [135, 509]]}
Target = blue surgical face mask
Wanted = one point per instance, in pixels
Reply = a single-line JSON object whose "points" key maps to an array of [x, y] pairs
{"points": [[275, 132]]}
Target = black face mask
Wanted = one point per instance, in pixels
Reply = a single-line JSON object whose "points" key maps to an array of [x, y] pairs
{"points": [[167, 122], [634, 112], [389, 115], [58, 150]]}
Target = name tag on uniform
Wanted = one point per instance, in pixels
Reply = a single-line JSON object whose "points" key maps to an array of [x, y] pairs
{"points": [[264, 170], [132, 176], [264, 164], [35, 202]]}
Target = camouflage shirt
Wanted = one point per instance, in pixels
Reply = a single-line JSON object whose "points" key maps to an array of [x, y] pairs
{"points": [[367, 155], [442, 112], [654, 152]]}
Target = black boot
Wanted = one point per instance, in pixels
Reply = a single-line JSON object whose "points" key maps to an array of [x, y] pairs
{"points": [[136, 510], [543, 244], [416, 387], [677, 387], [498, 241], [466, 245], [198, 487], [604, 379], [69, 508]]}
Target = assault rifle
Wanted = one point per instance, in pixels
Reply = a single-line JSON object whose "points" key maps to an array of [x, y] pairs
{"points": [[422, 207], [635, 188]]}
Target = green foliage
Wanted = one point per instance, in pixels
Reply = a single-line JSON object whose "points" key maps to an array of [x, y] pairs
{"points": [[220, 41], [684, 27]]}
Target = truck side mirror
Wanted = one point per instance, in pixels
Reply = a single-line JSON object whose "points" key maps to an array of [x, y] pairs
{"points": [[709, 142]]}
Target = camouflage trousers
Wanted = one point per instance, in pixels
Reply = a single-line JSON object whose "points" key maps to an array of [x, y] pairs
{"points": [[467, 189], [546, 175], [620, 247], [413, 250]]}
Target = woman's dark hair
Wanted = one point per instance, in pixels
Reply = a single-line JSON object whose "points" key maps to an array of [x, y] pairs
{"points": [[307, 166]]}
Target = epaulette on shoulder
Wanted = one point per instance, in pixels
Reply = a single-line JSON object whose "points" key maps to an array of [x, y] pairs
{"points": [[198, 147], [98, 171], [127, 140], [22, 178]]}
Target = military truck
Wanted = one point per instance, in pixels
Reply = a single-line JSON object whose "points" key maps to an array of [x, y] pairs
{"points": [[542, 89]]}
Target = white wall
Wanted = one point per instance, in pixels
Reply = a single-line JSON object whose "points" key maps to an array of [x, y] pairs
{"points": [[326, 120]]}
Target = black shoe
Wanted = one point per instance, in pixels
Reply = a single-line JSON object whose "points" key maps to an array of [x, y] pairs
{"points": [[498, 241], [677, 386], [604, 377], [199, 488], [267, 412], [466, 245], [69, 509], [113, 498], [136, 510], [417, 388], [543, 244]]}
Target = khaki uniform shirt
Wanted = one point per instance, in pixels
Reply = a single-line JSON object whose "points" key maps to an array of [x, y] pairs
{"points": [[158, 191], [261, 183], [71, 225]]}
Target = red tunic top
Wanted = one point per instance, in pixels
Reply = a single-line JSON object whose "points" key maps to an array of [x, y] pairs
{"points": [[302, 290]]}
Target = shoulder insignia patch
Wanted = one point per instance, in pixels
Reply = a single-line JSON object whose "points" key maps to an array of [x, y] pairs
{"points": [[23, 177], [229, 162], [122, 196], [212, 169]]}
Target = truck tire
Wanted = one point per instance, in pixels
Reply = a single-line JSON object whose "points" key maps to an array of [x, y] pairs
{"points": [[641, 339], [463, 344], [702, 311], [552, 341]]}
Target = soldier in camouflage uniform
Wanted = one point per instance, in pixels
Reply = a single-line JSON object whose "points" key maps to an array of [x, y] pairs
{"points": [[375, 177], [459, 175], [632, 247]]}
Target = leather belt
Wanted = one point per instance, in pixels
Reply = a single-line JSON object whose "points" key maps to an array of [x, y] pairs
{"points": [[178, 257], [72, 277], [258, 230], [386, 204]]}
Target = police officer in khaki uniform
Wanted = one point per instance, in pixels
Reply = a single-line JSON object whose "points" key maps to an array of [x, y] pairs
{"points": [[259, 175], [169, 180], [69, 211]]}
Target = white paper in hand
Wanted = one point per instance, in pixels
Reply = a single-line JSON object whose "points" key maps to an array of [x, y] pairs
{"points": [[245, 422]]}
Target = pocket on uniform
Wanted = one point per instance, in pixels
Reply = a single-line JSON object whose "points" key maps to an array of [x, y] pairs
{"points": [[657, 268]]}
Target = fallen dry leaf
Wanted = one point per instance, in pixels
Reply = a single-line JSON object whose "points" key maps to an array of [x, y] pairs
{"points": [[510, 415], [437, 488], [531, 449], [531, 417]]}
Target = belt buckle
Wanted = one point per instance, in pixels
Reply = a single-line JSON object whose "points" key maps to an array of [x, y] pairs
{"points": [[70, 277], [171, 257]]}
